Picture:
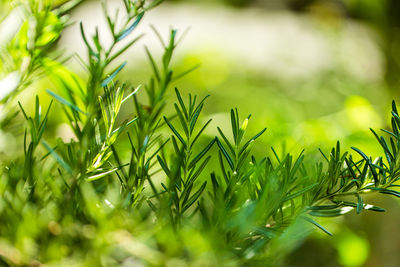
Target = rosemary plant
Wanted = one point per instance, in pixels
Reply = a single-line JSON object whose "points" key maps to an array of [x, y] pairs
{"points": [[186, 167]]}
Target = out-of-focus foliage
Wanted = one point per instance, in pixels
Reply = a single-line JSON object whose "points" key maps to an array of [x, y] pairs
{"points": [[29, 30], [154, 187], [381, 15]]}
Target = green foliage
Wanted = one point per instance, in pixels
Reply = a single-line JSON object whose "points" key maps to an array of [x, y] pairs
{"points": [[141, 189], [37, 26], [186, 166]]}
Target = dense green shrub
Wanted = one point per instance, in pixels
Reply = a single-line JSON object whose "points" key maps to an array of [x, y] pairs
{"points": [[141, 190]]}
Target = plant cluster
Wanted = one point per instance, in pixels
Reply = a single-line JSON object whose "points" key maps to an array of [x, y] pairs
{"points": [[141, 190]]}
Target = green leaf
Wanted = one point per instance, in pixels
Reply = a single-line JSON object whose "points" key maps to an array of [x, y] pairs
{"points": [[128, 30], [90, 49], [201, 154], [157, 150], [184, 73], [132, 93], [390, 192], [300, 192], [324, 207], [394, 108], [200, 132], [235, 126], [193, 177], [154, 4], [226, 141], [194, 197], [23, 111], [126, 47], [350, 169], [331, 212], [181, 119], [104, 113], [153, 64], [195, 117], [114, 73], [164, 166], [175, 131], [57, 157], [385, 147], [157, 33], [181, 103], [276, 155], [169, 50], [44, 121], [317, 225], [65, 102], [151, 205], [101, 175], [251, 140], [225, 153], [371, 166], [373, 208]]}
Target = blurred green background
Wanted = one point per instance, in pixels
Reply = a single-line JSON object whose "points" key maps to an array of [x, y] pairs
{"points": [[312, 72]]}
